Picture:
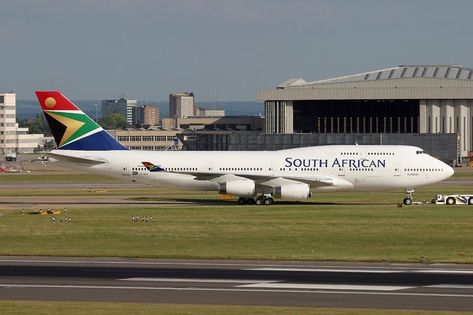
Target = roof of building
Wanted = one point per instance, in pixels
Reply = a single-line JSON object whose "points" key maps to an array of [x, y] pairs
{"points": [[453, 72]]}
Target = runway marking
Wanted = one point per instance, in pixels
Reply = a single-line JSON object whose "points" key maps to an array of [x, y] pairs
{"points": [[345, 287], [39, 286], [250, 267], [195, 280], [452, 271], [363, 270], [327, 270], [244, 265], [450, 286]]}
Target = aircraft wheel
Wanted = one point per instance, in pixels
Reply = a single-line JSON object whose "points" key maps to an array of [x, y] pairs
{"points": [[470, 201], [258, 201], [450, 201], [269, 201], [407, 201], [250, 201], [241, 201]]}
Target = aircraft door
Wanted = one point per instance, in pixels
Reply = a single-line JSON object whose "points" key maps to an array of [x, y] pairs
{"points": [[360, 177], [397, 170], [340, 171], [210, 167], [271, 170], [126, 170]]}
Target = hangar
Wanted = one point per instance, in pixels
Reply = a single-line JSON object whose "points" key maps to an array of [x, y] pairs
{"points": [[416, 99]]}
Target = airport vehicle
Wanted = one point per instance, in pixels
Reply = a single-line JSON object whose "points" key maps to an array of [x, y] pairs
{"points": [[10, 157], [453, 200], [255, 177]]}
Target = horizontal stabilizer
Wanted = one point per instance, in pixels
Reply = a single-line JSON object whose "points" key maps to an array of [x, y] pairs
{"points": [[73, 159]]}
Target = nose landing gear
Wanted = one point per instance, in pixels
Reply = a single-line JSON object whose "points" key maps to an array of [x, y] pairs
{"points": [[408, 199]]}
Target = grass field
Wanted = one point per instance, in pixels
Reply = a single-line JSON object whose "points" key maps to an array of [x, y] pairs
{"points": [[74, 308], [282, 232]]}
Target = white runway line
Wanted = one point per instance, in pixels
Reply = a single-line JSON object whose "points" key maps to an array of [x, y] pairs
{"points": [[310, 286], [195, 280], [450, 286], [249, 266], [99, 287], [364, 270], [327, 270], [449, 271]]}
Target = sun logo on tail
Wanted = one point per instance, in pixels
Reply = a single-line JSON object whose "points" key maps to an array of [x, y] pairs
{"points": [[50, 102]]}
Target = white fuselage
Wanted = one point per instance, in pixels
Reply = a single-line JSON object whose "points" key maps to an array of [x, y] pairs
{"points": [[346, 167]]}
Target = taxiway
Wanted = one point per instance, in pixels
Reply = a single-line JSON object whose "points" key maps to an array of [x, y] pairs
{"points": [[358, 285]]}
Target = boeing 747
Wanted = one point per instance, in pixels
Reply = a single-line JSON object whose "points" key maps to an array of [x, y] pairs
{"points": [[255, 177]]}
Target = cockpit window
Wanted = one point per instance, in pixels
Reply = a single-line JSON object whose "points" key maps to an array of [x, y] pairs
{"points": [[420, 152]]}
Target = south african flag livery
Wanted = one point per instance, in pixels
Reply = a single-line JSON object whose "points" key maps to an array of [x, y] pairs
{"points": [[73, 129], [153, 168]]}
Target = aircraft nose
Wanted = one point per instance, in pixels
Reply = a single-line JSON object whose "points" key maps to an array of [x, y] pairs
{"points": [[449, 171]]}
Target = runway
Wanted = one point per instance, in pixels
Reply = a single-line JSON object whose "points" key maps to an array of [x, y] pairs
{"points": [[392, 286]]}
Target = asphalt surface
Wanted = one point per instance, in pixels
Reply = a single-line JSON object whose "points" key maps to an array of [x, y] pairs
{"points": [[47, 201], [19, 202], [391, 286]]}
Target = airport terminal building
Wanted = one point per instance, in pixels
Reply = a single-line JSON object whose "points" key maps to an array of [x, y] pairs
{"points": [[408, 99]]}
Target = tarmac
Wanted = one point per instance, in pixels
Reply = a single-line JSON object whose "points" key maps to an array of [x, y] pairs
{"points": [[264, 283]]}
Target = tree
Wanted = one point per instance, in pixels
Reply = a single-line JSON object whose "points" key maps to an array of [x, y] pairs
{"points": [[113, 121], [35, 125]]}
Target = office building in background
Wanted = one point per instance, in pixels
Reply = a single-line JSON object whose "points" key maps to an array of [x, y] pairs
{"points": [[121, 106], [14, 139], [181, 105], [145, 116]]}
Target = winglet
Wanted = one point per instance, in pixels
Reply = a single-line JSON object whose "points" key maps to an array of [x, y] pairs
{"points": [[153, 168]]}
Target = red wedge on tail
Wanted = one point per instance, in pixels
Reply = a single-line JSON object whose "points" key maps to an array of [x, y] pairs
{"points": [[54, 100]]}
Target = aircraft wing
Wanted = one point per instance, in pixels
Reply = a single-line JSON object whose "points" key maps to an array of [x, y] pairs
{"points": [[73, 159], [212, 177], [263, 180], [313, 181], [316, 181], [272, 181]]}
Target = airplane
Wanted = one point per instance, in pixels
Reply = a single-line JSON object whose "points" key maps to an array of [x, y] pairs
{"points": [[255, 177]]}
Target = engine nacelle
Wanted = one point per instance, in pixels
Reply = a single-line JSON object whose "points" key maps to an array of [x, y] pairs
{"points": [[293, 191], [240, 187]]}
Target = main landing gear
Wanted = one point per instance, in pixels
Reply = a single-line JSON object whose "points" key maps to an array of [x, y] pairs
{"points": [[408, 199], [260, 200]]}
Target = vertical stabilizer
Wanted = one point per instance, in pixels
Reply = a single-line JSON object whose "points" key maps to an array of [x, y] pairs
{"points": [[73, 129]]}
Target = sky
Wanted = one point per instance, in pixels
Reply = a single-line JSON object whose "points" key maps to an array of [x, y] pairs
{"points": [[219, 49]]}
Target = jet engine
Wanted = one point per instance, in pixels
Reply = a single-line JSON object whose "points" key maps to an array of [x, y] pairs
{"points": [[240, 187], [293, 191]]}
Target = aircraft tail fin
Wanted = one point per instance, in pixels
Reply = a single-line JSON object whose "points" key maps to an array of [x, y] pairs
{"points": [[72, 128]]}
